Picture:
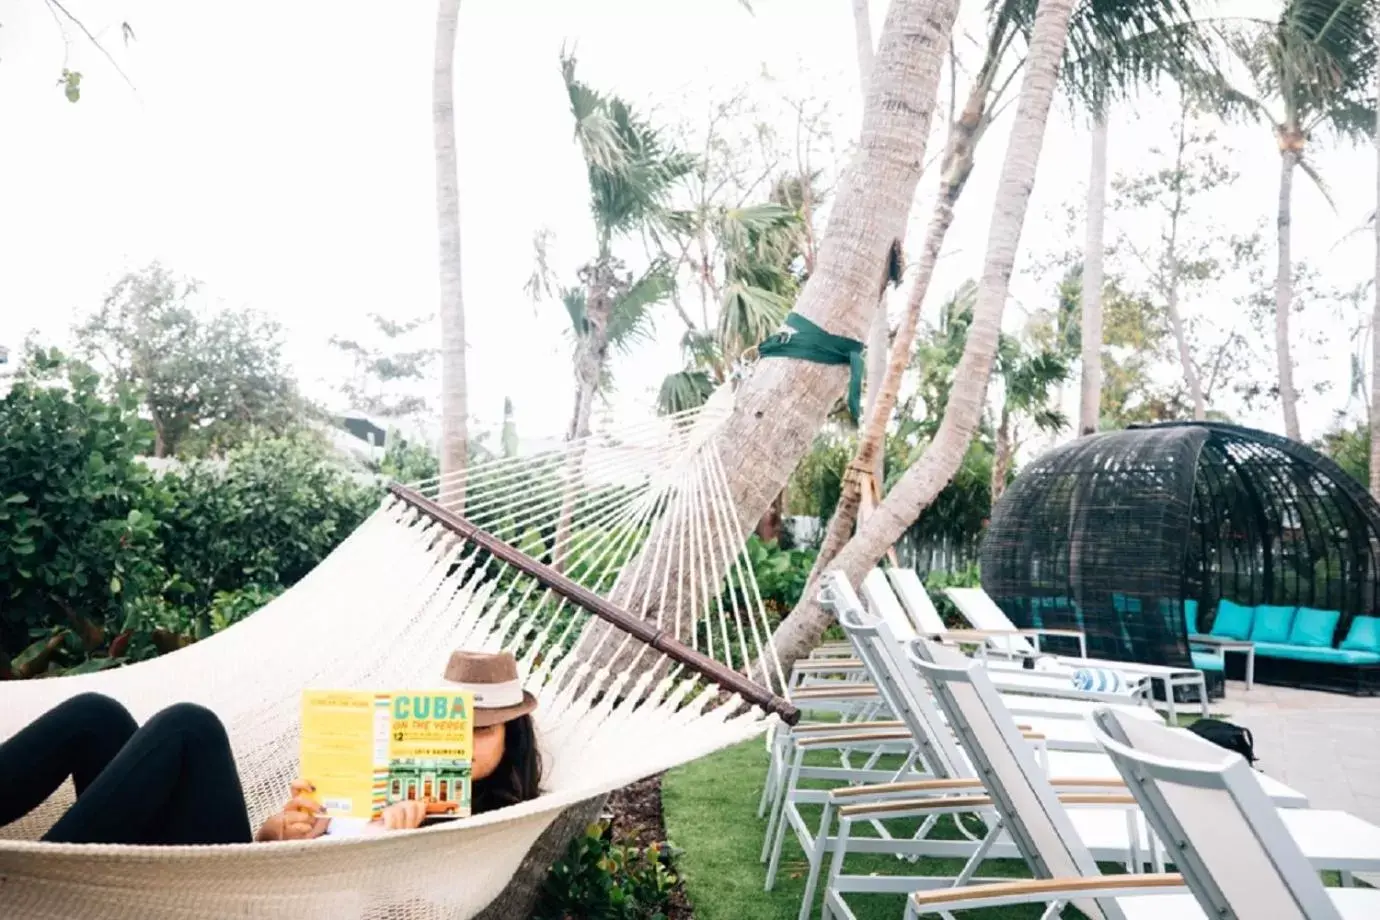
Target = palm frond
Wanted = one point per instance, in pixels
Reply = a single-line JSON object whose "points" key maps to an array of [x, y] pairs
{"points": [[1311, 172], [683, 390], [748, 315], [573, 299], [631, 321]]}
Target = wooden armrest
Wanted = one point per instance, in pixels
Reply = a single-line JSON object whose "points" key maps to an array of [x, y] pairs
{"points": [[1088, 782], [853, 738], [827, 664], [1042, 631], [907, 786], [1032, 736], [841, 692], [886, 725], [972, 803], [1046, 889]]}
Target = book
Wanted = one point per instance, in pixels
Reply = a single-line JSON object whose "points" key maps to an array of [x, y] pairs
{"points": [[364, 750]]}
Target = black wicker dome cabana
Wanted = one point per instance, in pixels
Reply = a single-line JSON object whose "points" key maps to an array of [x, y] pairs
{"points": [[1144, 536]]}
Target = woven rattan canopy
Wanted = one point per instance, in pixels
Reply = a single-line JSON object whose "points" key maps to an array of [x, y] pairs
{"points": [[1112, 532]]}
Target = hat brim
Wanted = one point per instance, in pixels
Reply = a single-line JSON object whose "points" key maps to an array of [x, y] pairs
{"points": [[484, 718]]}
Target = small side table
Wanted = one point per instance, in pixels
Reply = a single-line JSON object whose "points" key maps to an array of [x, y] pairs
{"points": [[1226, 646]]}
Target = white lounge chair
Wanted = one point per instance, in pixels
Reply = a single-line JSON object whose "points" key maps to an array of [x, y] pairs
{"points": [[1051, 838], [1237, 855], [948, 772], [983, 614]]}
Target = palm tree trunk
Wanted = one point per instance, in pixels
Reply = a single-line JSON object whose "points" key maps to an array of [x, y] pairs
{"points": [[454, 398], [1001, 458], [781, 405], [924, 480], [1090, 407], [957, 166], [1172, 269], [876, 333], [1375, 315], [1284, 292]]}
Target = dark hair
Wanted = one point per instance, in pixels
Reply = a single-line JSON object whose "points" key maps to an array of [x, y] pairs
{"points": [[517, 777]]}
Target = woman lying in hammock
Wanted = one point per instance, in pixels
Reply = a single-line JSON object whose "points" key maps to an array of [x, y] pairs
{"points": [[173, 780]]}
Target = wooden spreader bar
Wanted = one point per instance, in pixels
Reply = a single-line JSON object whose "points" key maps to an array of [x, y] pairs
{"points": [[698, 662]]}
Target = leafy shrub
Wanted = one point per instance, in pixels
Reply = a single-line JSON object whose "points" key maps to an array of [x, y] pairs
{"points": [[79, 541], [936, 582], [781, 573], [599, 879], [264, 519]]}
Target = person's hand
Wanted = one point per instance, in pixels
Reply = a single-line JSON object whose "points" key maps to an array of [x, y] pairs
{"points": [[404, 815], [300, 819]]}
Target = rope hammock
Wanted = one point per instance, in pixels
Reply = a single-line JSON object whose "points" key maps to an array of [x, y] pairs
{"points": [[625, 548]]}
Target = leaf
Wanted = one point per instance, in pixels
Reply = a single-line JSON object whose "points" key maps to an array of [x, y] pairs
{"points": [[115, 584], [17, 498]]}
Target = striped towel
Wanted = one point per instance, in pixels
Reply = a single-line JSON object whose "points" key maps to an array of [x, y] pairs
{"points": [[1099, 680]]}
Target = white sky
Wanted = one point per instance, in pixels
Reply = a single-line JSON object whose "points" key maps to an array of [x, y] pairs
{"points": [[281, 152]]}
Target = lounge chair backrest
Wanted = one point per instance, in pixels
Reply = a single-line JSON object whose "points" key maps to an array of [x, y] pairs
{"points": [[1036, 820], [1230, 845], [882, 602], [911, 590], [982, 612], [871, 637]]}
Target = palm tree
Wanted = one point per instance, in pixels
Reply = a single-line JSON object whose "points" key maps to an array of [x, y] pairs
{"points": [[1090, 393], [454, 398], [782, 402], [1307, 72], [1110, 44], [917, 488], [631, 171], [1375, 315]]}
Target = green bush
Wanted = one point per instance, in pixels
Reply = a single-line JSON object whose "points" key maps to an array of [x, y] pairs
{"points": [[936, 582], [599, 879], [79, 536], [781, 573], [264, 519], [103, 561]]}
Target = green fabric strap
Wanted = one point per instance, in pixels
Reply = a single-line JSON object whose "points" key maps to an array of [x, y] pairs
{"points": [[808, 342]]}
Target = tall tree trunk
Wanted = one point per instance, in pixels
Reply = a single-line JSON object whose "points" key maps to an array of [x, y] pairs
{"points": [[1172, 270], [781, 405], [1375, 314], [957, 166], [1090, 407], [454, 398], [518, 899], [923, 481], [877, 333], [1001, 458], [1284, 287]]}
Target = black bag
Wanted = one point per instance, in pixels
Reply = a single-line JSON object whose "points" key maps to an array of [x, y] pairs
{"points": [[1227, 735]]}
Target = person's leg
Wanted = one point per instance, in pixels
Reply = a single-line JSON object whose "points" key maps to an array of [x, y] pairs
{"points": [[174, 783], [76, 738]]}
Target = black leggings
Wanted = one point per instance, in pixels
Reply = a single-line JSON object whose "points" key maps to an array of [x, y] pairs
{"points": [[173, 781]]}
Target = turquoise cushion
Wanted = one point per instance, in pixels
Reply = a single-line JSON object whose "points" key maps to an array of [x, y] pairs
{"points": [[1314, 628], [1232, 621], [1191, 617], [1271, 623], [1206, 661], [1363, 636], [1322, 655]]}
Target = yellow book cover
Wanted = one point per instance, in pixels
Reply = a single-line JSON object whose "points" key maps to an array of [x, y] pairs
{"points": [[364, 750]]}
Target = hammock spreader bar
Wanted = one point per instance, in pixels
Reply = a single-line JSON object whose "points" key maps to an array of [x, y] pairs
{"points": [[696, 661]]}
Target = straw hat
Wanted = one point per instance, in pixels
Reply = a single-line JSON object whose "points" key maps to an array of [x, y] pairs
{"points": [[493, 679]]}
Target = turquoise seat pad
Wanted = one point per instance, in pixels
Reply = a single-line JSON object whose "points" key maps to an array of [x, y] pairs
{"points": [[1320, 655]]}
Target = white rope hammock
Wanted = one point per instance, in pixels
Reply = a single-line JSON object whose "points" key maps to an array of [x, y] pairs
{"points": [[647, 509]]}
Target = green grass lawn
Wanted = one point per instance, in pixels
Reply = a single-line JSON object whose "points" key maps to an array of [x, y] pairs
{"points": [[710, 809]]}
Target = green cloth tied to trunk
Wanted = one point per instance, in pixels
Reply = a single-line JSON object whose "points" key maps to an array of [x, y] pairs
{"points": [[808, 342]]}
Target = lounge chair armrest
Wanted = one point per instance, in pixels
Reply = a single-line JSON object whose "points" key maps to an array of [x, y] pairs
{"points": [[885, 725], [827, 664], [817, 692], [913, 789], [851, 738], [1025, 891], [917, 807]]}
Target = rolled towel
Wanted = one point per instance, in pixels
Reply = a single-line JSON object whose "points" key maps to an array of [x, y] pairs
{"points": [[1099, 680]]}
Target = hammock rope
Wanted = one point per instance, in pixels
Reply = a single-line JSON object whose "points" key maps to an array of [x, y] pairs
{"points": [[644, 528]]}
